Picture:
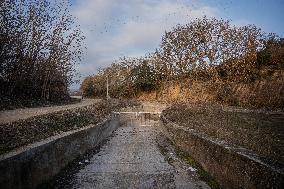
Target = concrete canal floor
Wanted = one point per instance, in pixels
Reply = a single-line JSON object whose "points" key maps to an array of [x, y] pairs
{"points": [[130, 158]]}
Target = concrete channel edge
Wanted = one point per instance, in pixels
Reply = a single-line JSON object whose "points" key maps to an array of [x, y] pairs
{"points": [[31, 165], [232, 167]]}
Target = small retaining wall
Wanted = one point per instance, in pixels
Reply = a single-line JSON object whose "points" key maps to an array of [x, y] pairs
{"points": [[232, 167], [30, 166]]}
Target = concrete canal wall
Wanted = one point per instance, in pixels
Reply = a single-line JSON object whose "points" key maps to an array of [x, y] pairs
{"points": [[30, 166], [233, 167]]}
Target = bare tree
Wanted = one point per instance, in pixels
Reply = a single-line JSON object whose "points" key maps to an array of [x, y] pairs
{"points": [[205, 43], [204, 49], [40, 43]]}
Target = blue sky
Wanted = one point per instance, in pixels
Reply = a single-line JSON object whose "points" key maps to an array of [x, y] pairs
{"points": [[266, 14], [115, 28]]}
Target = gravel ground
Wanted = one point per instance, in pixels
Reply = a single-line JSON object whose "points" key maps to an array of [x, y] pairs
{"points": [[18, 114], [259, 131]]}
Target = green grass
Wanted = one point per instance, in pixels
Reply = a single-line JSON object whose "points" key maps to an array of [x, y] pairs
{"points": [[203, 175]]}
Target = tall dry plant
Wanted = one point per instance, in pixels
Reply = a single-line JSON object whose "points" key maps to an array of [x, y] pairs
{"points": [[40, 43]]}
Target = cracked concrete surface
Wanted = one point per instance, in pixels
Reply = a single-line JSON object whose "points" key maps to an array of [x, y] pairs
{"points": [[130, 158]]}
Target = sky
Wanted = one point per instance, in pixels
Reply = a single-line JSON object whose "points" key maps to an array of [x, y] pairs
{"points": [[133, 28]]}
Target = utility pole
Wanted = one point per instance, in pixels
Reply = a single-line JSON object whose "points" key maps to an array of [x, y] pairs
{"points": [[107, 88]]}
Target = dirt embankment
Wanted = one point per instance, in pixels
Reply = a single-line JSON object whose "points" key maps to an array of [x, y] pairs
{"points": [[39, 126], [261, 132], [265, 93]]}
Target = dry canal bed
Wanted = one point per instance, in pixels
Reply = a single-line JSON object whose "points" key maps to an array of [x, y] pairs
{"points": [[129, 158]]}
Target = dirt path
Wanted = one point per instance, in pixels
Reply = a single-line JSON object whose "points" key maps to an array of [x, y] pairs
{"points": [[18, 114], [131, 158]]}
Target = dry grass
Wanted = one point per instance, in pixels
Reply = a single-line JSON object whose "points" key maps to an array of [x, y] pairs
{"points": [[261, 132], [266, 93], [27, 131]]}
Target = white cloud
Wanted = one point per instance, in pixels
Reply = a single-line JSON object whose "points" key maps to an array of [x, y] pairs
{"points": [[92, 11], [130, 27]]}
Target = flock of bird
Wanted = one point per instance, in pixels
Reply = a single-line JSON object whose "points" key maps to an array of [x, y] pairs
{"points": [[171, 17]]}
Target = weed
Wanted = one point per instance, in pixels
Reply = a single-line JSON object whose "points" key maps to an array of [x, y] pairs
{"points": [[203, 175]]}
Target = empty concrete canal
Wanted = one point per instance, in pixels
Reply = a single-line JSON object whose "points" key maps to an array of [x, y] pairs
{"points": [[134, 148], [130, 158]]}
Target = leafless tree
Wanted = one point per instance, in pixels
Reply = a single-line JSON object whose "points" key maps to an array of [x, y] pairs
{"points": [[40, 43]]}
